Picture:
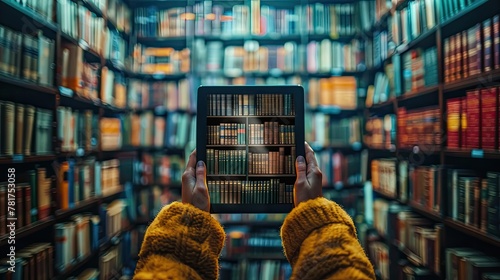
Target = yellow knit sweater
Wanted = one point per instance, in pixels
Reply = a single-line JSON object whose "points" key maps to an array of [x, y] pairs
{"points": [[319, 240]]}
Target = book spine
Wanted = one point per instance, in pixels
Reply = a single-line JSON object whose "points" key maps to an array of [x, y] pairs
{"points": [[488, 118], [496, 41], [3, 213], [19, 129], [28, 129], [453, 122], [487, 45], [493, 190], [26, 211], [473, 119], [8, 133]]}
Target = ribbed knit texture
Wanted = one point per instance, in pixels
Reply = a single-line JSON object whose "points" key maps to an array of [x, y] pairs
{"points": [[319, 240], [183, 242]]}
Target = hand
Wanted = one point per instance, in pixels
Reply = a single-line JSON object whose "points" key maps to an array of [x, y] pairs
{"points": [[194, 187], [308, 184]]}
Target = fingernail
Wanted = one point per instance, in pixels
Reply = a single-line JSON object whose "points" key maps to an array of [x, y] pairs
{"points": [[200, 163], [301, 159]]}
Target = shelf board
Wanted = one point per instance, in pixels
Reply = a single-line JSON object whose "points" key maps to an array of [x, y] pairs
{"points": [[334, 110], [420, 93], [174, 42], [160, 76], [272, 175], [412, 257], [481, 80], [241, 38], [78, 102], [422, 39], [62, 215], [385, 195], [75, 154], [69, 38], [472, 153], [93, 8], [19, 15], [232, 146], [386, 106], [17, 82], [251, 116], [472, 231], [433, 215], [26, 159], [252, 223], [251, 208], [255, 256], [29, 229], [78, 265]]}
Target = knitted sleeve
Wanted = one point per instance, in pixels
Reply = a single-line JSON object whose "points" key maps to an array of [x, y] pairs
{"points": [[320, 242], [182, 242]]}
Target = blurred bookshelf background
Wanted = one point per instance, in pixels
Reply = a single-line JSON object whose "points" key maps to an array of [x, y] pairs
{"points": [[98, 110]]}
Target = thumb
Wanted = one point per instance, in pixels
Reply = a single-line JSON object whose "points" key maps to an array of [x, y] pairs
{"points": [[301, 167], [201, 175]]}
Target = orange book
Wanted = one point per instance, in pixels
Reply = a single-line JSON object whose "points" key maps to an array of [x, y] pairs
{"points": [[63, 185]]}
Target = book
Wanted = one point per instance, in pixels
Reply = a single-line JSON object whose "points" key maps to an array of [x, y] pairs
{"points": [[8, 114], [271, 151]]}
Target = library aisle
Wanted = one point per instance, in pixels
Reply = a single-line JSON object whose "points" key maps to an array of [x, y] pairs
{"points": [[98, 115]]}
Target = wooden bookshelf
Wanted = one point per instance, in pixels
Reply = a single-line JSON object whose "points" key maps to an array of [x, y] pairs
{"points": [[31, 88], [429, 214], [472, 153], [17, 159], [30, 229], [472, 232], [251, 208], [70, 271], [14, 13]]}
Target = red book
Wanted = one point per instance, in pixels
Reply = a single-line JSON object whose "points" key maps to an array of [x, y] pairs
{"points": [[488, 117], [465, 55], [463, 122], [473, 116], [496, 42], [453, 122]]}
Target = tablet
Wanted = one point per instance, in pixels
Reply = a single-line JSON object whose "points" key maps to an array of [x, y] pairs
{"points": [[249, 138]]}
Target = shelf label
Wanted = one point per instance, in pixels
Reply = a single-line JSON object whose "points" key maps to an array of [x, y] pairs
{"points": [[356, 146], [17, 158], [477, 153], [66, 91]]}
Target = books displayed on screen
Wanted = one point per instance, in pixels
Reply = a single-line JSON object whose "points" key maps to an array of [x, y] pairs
{"points": [[261, 169], [160, 95], [339, 92], [164, 60], [381, 132], [420, 127]]}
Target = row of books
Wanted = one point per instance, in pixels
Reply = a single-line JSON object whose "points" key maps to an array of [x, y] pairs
{"points": [[250, 80], [340, 92], [148, 130], [324, 56], [35, 261], [26, 56], [342, 169], [378, 253], [420, 69], [416, 18], [330, 56], [113, 88], [78, 74], [377, 50], [262, 241], [170, 95], [250, 105], [474, 199], [33, 198], [250, 217], [158, 168], [421, 237], [268, 133], [469, 263], [81, 179], [160, 60], [147, 203], [423, 185], [325, 130], [471, 120], [25, 129], [256, 269], [77, 129], [449, 8], [207, 19], [472, 51], [74, 239], [419, 127], [383, 87], [270, 191], [119, 13], [240, 162], [381, 132], [383, 175], [43, 8]]}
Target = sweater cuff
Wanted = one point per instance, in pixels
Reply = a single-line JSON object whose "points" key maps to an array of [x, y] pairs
{"points": [[307, 217], [186, 234]]}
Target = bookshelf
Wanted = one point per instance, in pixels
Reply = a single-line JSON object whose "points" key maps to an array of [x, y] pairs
{"points": [[444, 229]]}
